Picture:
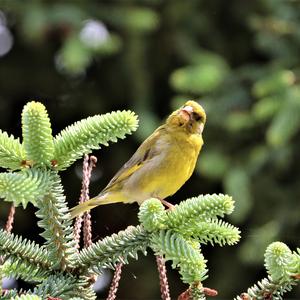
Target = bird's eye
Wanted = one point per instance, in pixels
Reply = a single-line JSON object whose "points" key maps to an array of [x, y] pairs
{"points": [[197, 117]]}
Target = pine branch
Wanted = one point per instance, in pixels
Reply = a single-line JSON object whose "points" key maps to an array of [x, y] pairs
{"points": [[280, 262], [214, 232], [84, 288], [58, 285], [11, 152], [24, 259], [152, 215], [25, 186], [24, 269], [56, 223], [281, 265], [113, 249], [14, 247], [267, 288], [201, 208], [181, 219], [204, 208], [86, 135], [37, 134], [183, 254]]}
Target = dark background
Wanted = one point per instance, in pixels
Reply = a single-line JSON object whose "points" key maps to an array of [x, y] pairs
{"points": [[239, 59]]}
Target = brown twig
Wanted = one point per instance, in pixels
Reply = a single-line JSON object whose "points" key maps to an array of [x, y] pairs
{"points": [[115, 282], [187, 295], [88, 164], [87, 229], [10, 219], [210, 292], [87, 224], [163, 280], [9, 225]]}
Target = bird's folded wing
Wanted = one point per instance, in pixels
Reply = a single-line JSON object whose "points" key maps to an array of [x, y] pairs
{"points": [[143, 154]]}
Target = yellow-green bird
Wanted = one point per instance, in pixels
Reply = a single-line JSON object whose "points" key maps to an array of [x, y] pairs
{"points": [[160, 166]]}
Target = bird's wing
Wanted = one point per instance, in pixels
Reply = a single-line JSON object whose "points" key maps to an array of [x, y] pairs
{"points": [[144, 153]]}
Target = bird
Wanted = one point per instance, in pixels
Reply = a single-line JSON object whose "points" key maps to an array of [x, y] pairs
{"points": [[161, 164]]}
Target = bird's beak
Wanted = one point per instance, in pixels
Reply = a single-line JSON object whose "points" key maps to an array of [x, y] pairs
{"points": [[188, 109], [186, 113]]}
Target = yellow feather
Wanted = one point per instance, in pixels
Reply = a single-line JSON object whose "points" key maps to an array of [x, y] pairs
{"points": [[91, 203]]}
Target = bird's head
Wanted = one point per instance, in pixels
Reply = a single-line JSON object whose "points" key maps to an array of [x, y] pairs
{"points": [[191, 117]]}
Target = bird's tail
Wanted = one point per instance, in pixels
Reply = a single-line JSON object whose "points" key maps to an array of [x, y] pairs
{"points": [[81, 208], [98, 200]]}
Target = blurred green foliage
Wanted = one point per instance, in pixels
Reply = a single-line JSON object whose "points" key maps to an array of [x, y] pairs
{"points": [[240, 59]]}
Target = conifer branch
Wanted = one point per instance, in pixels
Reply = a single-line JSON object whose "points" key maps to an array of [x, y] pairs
{"points": [[280, 262], [214, 232], [11, 152], [152, 215], [84, 288], [58, 285], [25, 186], [186, 256], [37, 134], [113, 249], [14, 247], [201, 208], [24, 269], [53, 212], [23, 259], [86, 135], [281, 265], [190, 222], [267, 288]]}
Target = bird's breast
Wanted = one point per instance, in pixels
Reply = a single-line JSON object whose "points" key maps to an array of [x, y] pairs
{"points": [[167, 171]]}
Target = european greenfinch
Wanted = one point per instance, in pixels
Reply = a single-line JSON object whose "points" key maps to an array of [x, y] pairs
{"points": [[161, 165]]}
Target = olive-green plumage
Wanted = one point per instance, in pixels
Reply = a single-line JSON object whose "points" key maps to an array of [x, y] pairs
{"points": [[162, 163]]}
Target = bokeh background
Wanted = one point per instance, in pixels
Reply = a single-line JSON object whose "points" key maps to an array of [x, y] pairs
{"points": [[239, 59]]}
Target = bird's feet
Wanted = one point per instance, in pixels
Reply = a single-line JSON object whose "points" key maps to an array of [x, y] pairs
{"points": [[167, 204]]}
